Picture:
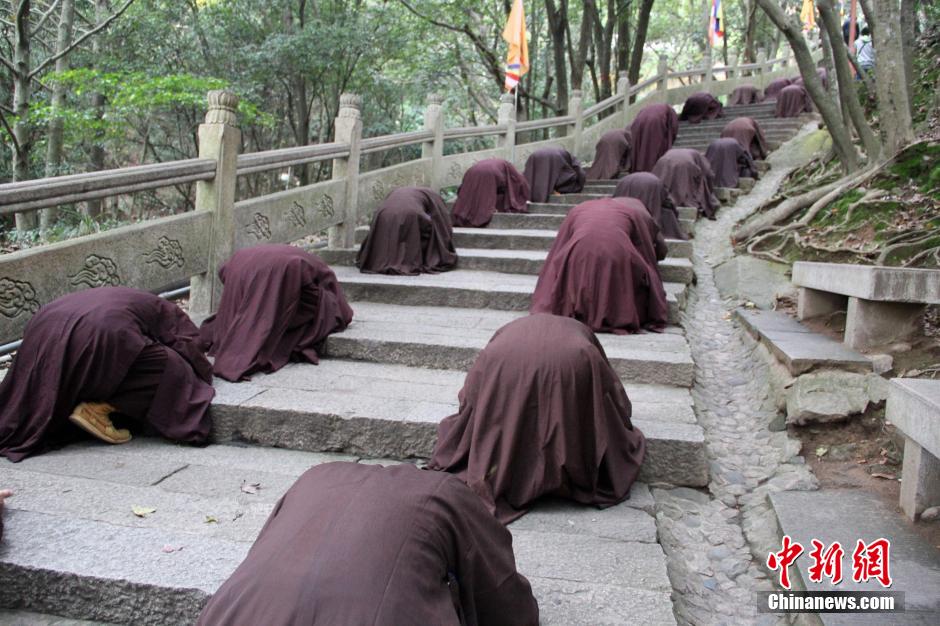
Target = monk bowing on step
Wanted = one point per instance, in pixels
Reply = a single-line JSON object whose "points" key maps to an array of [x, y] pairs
{"points": [[488, 187], [92, 354], [542, 413], [611, 155], [654, 130], [550, 170], [353, 544], [279, 304], [410, 233]]}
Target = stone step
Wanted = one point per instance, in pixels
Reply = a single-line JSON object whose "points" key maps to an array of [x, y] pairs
{"points": [[73, 548], [688, 227], [688, 213], [533, 220], [392, 411], [850, 515], [470, 289], [576, 198], [798, 348], [600, 187], [766, 124], [516, 262], [444, 338], [519, 239]]}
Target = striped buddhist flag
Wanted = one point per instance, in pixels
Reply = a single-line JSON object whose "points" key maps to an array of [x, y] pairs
{"points": [[808, 15], [517, 60], [716, 23]]}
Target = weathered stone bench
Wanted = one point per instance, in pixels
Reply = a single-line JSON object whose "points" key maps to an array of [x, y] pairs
{"points": [[914, 408], [883, 304]]}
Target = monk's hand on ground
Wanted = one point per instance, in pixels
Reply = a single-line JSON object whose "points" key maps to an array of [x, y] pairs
{"points": [[93, 417], [4, 494]]}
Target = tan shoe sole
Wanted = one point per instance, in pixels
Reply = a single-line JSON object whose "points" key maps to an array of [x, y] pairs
{"points": [[104, 430]]}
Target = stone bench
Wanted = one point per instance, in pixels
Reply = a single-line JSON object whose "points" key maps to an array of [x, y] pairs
{"points": [[883, 304], [914, 408]]}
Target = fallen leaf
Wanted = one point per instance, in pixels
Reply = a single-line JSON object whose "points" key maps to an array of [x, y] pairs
{"points": [[882, 475], [211, 520], [250, 488], [822, 451], [142, 511], [168, 548], [237, 515]]}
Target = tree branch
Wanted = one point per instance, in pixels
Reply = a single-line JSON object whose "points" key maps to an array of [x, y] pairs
{"points": [[45, 16], [6, 126]]}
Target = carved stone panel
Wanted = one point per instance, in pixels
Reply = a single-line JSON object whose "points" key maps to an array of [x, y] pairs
{"points": [[17, 297]]}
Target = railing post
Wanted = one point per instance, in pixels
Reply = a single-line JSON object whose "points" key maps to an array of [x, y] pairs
{"points": [[575, 109], [732, 70], [348, 130], [709, 65], [434, 149], [761, 67], [506, 114], [219, 139], [663, 72], [623, 90]]}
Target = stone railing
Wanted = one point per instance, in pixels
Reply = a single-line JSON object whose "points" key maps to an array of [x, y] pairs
{"points": [[160, 253]]}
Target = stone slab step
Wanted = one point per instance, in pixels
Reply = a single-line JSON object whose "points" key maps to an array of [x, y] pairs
{"points": [[392, 411], [576, 198], [439, 338], [687, 226], [461, 288], [847, 515], [796, 346], [72, 547], [516, 262], [532, 220], [522, 239]]}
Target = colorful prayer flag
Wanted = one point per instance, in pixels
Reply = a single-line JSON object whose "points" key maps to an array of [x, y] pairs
{"points": [[517, 60], [716, 23], [808, 15]]}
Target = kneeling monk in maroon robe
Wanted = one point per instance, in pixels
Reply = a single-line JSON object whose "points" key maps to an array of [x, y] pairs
{"points": [[410, 233], [353, 544], [749, 134], [542, 413], [279, 304], [745, 94], [548, 170], [611, 155], [729, 162], [100, 351], [772, 90], [490, 186], [652, 193], [701, 106], [654, 131], [689, 178], [602, 270], [793, 101]]}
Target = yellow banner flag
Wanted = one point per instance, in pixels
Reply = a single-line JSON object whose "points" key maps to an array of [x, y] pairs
{"points": [[808, 15], [517, 61]]}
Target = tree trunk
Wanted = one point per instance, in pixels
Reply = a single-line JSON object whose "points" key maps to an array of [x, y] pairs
{"points": [[750, 28], [47, 217], [21, 97], [639, 42], [908, 38], [623, 37], [894, 104], [557, 20], [846, 80], [579, 56], [298, 81], [97, 153], [841, 140]]}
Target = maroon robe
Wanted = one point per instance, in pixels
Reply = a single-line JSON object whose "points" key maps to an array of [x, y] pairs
{"points": [[823, 75], [279, 304], [542, 413], [353, 544], [488, 187], [701, 106], [749, 134], [651, 191], [611, 155], [548, 170], [122, 346], [729, 162], [654, 131], [602, 270], [688, 176], [772, 90], [745, 94], [793, 101], [410, 233]]}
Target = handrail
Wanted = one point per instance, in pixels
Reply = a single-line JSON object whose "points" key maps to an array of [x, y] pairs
{"points": [[603, 105], [29, 195], [399, 140], [254, 162], [465, 132], [548, 122], [635, 89]]}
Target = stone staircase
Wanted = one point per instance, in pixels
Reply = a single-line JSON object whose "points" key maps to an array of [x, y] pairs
{"points": [[74, 546], [776, 130]]}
